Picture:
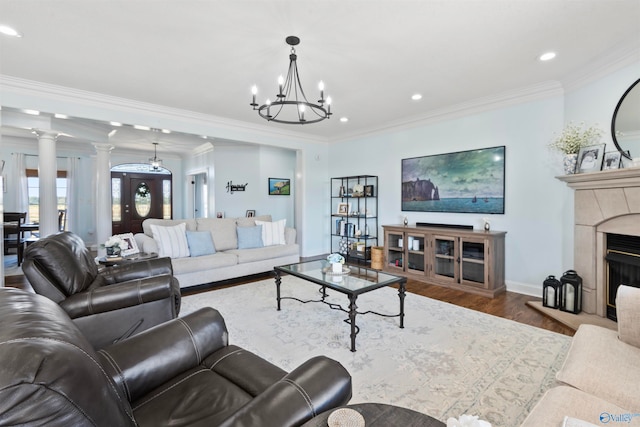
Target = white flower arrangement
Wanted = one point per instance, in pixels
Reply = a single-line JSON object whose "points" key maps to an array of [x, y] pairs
{"points": [[467, 421], [335, 258], [573, 137], [113, 241]]}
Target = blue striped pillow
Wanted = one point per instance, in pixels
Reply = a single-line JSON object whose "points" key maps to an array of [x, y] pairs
{"points": [[172, 241]]}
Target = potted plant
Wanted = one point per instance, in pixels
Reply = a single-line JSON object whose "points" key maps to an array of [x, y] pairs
{"points": [[336, 261], [112, 245], [571, 139]]}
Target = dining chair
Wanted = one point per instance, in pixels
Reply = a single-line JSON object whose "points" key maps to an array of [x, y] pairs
{"points": [[13, 234]]}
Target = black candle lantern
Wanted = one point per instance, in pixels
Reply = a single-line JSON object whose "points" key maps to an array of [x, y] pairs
{"points": [[551, 292], [571, 292]]}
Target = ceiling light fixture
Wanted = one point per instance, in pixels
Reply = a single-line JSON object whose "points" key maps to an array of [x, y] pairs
{"points": [[291, 103], [8, 31], [416, 97], [155, 163], [548, 56]]}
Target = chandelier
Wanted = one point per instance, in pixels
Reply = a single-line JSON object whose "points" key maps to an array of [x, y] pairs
{"points": [[154, 162], [291, 105]]}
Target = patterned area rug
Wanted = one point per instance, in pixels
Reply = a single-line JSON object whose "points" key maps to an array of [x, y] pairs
{"points": [[447, 361]]}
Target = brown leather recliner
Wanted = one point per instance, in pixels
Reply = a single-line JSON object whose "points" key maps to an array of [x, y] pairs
{"points": [[180, 373], [109, 305]]}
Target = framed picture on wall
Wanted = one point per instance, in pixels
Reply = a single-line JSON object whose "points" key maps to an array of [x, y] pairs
{"points": [[251, 213], [462, 182], [279, 187], [590, 158]]}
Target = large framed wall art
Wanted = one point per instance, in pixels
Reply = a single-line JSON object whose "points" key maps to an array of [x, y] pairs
{"points": [[462, 182]]}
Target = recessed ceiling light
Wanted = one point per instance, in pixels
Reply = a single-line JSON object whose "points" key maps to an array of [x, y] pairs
{"points": [[165, 131], [344, 119], [141, 127], [115, 123], [31, 112], [60, 116], [548, 56], [8, 31], [416, 97]]}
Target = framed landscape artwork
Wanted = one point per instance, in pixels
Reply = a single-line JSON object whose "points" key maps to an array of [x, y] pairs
{"points": [[279, 187], [461, 182]]}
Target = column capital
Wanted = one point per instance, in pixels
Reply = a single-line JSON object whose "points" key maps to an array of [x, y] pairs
{"points": [[105, 148], [45, 134]]}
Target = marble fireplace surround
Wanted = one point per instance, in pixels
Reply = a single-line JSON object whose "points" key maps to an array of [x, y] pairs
{"points": [[604, 202]]}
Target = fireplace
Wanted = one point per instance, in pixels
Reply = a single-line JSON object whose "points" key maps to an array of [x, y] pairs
{"points": [[606, 203], [623, 267]]}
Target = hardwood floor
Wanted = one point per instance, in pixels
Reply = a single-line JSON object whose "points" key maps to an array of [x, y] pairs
{"points": [[509, 305]]}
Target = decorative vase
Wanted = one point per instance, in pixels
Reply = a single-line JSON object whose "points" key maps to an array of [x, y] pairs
{"points": [[113, 251], [337, 267], [569, 162]]}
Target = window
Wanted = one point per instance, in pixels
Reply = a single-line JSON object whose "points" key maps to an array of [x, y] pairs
{"points": [[33, 187]]}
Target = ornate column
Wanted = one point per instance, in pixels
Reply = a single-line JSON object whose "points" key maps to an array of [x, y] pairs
{"points": [[103, 194], [47, 174]]}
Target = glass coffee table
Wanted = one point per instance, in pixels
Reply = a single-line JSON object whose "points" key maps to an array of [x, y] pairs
{"points": [[352, 282]]}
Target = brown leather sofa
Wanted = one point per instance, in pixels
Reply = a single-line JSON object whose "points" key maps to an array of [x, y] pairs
{"points": [[109, 305], [180, 373]]}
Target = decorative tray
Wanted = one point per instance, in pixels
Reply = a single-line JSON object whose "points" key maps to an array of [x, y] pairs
{"points": [[329, 271]]}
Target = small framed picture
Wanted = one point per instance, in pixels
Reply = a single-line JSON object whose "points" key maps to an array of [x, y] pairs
{"points": [[129, 245], [279, 187], [344, 208], [219, 214], [368, 191], [590, 158], [611, 160], [251, 213]]}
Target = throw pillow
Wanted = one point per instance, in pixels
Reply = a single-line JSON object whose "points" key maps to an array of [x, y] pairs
{"points": [[627, 303], [172, 241], [273, 232], [250, 237], [200, 243]]}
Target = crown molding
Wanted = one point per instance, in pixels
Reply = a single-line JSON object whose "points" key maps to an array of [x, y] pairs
{"points": [[476, 106], [89, 100], [615, 60]]}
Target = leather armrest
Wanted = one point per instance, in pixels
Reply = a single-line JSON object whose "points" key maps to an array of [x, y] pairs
{"points": [[146, 360], [120, 295], [137, 270], [316, 386]]}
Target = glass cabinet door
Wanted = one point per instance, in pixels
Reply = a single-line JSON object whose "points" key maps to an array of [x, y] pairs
{"points": [[415, 253], [394, 242], [444, 249], [473, 262]]}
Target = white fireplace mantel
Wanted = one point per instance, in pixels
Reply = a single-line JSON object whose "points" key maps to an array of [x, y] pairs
{"points": [[604, 202]]}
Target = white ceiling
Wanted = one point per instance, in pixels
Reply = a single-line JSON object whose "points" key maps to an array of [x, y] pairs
{"points": [[204, 56]]}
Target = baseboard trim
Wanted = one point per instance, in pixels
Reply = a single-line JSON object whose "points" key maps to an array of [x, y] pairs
{"points": [[524, 288]]}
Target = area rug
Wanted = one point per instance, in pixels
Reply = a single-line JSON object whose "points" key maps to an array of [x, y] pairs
{"points": [[447, 361]]}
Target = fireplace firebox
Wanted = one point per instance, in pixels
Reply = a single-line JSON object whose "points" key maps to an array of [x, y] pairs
{"points": [[623, 267]]}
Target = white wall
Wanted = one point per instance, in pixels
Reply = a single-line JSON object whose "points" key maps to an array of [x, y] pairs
{"points": [[534, 200]]}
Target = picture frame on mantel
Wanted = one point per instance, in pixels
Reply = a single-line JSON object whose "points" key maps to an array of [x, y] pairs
{"points": [[590, 158], [611, 160]]}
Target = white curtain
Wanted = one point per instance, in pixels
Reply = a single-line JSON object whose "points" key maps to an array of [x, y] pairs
{"points": [[73, 166], [22, 192]]}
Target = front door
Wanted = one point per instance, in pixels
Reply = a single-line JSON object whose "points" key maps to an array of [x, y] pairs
{"points": [[141, 196]]}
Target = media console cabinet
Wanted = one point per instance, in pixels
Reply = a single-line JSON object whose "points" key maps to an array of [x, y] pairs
{"points": [[468, 260]]}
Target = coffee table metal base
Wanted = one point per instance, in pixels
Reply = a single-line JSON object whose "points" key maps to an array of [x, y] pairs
{"points": [[352, 311]]}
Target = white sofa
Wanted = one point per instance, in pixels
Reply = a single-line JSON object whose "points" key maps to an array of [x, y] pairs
{"points": [[228, 261], [599, 382]]}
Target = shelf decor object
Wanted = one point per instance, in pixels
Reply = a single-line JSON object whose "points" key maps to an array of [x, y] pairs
{"points": [[462, 182], [571, 292], [291, 105]]}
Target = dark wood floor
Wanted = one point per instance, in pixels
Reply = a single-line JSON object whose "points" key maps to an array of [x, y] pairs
{"points": [[509, 305]]}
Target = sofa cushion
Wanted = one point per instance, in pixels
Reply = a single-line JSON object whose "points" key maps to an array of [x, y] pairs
{"points": [[267, 252], [146, 224], [250, 237], [600, 364], [200, 243], [223, 232], [172, 241], [273, 232], [251, 221], [203, 263], [628, 313]]}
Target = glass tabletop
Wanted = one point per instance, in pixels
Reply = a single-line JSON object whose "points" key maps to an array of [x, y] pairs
{"points": [[354, 279]]}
